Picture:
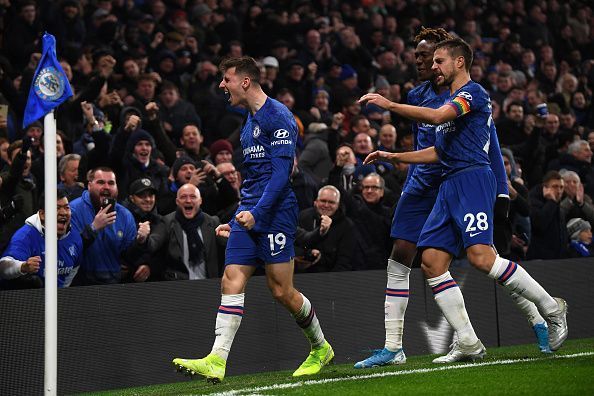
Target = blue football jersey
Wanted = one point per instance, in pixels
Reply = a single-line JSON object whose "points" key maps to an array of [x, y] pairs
{"points": [[424, 179], [464, 142], [270, 133], [29, 241]]}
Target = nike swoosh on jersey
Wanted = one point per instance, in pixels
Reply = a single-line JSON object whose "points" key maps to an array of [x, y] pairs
{"points": [[274, 254], [475, 233]]}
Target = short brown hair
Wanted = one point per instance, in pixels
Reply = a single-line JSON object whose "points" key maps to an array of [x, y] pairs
{"points": [[458, 47], [91, 173], [551, 175], [243, 65], [147, 77]]}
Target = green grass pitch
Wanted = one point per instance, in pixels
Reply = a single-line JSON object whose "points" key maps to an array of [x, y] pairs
{"points": [[515, 370]]}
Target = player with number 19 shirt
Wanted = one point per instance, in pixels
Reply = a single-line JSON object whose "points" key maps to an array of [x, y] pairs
{"points": [[268, 141], [263, 229]]}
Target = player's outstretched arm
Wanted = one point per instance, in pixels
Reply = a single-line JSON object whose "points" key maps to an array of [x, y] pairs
{"points": [[380, 155], [421, 114], [425, 156]]}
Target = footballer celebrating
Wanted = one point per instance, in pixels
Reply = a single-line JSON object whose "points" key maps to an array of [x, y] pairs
{"points": [[463, 213], [263, 230], [415, 205]]}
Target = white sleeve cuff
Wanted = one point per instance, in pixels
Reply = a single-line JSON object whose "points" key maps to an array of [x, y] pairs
{"points": [[10, 268]]}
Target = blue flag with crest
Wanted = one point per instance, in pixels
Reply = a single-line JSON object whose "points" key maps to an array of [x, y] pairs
{"points": [[50, 86]]}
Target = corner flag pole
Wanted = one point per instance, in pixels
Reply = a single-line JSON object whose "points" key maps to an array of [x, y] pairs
{"points": [[49, 89], [51, 256]]}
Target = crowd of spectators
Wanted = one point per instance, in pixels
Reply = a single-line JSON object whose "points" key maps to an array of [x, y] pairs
{"points": [[149, 153]]}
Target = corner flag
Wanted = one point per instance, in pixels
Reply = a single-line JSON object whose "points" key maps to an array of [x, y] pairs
{"points": [[49, 89], [50, 86]]}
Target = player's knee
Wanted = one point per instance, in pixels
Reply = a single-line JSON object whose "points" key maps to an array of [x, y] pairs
{"points": [[229, 285], [481, 259], [281, 294], [481, 263], [429, 271], [434, 263], [403, 252]]}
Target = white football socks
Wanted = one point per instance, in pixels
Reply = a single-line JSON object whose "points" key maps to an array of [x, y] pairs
{"points": [[529, 308], [395, 304], [449, 298], [228, 321], [308, 321], [515, 278]]}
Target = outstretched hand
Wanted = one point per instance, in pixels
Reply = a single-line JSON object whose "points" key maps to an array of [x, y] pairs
{"points": [[379, 155], [376, 99]]}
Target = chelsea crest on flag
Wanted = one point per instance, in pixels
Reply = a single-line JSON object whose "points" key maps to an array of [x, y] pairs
{"points": [[50, 86]]}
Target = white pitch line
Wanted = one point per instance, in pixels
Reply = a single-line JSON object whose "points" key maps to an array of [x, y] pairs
{"points": [[289, 385]]}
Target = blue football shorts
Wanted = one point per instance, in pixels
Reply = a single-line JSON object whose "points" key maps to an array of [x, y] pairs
{"points": [[410, 216], [463, 212], [274, 244]]}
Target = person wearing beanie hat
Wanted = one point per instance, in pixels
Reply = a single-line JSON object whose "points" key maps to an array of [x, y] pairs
{"points": [[141, 135], [184, 170], [580, 234], [579, 230], [166, 54], [221, 151], [181, 161], [348, 86], [141, 146], [347, 72], [132, 158]]}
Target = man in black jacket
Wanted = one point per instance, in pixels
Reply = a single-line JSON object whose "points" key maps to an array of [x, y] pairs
{"points": [[549, 234], [140, 265], [372, 219], [188, 242], [337, 246]]}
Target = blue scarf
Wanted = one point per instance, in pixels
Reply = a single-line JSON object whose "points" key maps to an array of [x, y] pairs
{"points": [[581, 248]]}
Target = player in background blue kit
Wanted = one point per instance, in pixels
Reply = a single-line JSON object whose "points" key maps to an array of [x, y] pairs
{"points": [[415, 205], [463, 211], [264, 227]]}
